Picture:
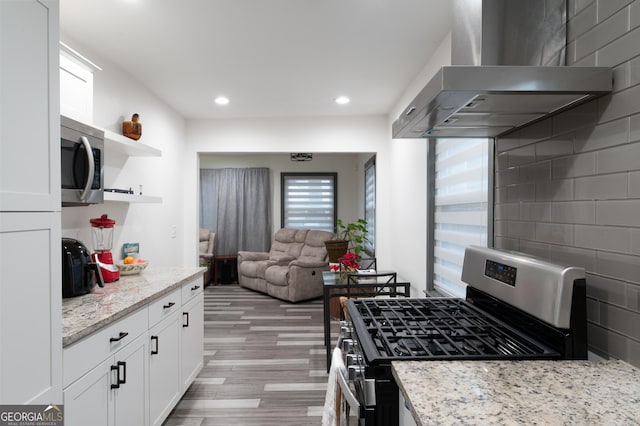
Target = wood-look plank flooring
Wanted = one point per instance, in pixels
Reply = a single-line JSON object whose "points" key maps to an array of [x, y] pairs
{"points": [[264, 363]]}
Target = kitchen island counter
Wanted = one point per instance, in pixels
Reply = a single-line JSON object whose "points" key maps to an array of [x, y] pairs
{"points": [[83, 315], [520, 392]]}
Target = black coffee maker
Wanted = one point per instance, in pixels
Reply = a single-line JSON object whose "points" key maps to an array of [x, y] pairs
{"points": [[79, 273]]}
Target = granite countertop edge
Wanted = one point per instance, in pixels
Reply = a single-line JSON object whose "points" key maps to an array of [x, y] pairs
{"points": [[519, 392], [135, 304]]}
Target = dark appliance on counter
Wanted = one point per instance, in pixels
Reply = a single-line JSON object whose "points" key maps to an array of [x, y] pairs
{"points": [[517, 307], [82, 163], [79, 273]]}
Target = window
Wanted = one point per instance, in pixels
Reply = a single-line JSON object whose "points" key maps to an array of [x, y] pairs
{"points": [[309, 200], [370, 205], [459, 179]]}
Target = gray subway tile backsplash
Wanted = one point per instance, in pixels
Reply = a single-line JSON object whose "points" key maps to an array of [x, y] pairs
{"points": [[574, 212], [602, 136], [582, 22], [618, 213], [555, 190], [620, 50], [554, 233], [573, 166], [607, 8], [619, 158], [554, 148], [603, 34], [602, 238], [602, 187], [587, 211]]}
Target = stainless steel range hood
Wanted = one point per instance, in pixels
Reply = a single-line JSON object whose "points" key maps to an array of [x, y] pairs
{"points": [[496, 88]]}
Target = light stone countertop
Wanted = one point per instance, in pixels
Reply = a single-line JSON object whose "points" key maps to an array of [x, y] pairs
{"points": [[520, 392], [83, 315]]}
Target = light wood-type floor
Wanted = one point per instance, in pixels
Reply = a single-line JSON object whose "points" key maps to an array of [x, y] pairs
{"points": [[264, 363]]}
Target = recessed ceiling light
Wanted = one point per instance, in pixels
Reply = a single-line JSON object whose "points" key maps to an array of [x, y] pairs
{"points": [[222, 100], [342, 100]]}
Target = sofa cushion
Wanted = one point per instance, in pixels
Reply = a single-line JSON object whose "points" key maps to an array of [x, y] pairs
{"points": [[254, 269], [277, 275]]}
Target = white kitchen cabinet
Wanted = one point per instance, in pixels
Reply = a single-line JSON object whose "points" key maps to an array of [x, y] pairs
{"points": [[89, 401], [164, 367], [30, 308], [192, 343], [112, 393], [29, 106], [30, 251]]}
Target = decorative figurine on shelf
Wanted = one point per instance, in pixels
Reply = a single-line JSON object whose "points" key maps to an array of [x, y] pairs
{"points": [[132, 129]]}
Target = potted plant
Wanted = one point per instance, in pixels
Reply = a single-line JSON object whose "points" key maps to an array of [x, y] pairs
{"points": [[350, 237]]}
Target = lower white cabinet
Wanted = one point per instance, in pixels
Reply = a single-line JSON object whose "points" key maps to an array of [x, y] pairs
{"points": [[192, 340], [114, 392], [164, 367], [135, 370], [30, 300]]}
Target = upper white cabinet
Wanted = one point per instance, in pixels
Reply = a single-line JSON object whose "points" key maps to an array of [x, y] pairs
{"points": [[29, 106]]}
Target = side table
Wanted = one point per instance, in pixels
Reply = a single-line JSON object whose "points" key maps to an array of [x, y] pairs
{"points": [[217, 260]]}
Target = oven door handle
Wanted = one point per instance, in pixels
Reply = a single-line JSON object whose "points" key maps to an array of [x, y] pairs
{"points": [[349, 397]]}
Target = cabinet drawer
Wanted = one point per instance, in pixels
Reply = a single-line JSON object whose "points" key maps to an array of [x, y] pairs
{"points": [[82, 356], [192, 289], [164, 307]]}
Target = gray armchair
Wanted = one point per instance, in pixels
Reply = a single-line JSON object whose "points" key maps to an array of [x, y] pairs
{"points": [[206, 248], [292, 270]]}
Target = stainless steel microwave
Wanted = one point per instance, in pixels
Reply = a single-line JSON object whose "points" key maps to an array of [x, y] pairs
{"points": [[82, 161]]}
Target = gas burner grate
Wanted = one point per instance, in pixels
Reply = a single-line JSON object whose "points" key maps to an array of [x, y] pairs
{"points": [[440, 328]]}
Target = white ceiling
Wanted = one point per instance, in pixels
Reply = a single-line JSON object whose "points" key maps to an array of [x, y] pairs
{"points": [[270, 57]]}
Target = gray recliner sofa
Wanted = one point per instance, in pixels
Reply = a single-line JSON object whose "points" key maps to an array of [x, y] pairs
{"points": [[292, 269]]}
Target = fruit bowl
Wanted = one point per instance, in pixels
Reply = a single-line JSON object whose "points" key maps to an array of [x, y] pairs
{"points": [[132, 268]]}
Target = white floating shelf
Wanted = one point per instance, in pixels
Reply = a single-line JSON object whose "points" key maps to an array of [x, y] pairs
{"points": [[130, 198], [124, 145]]}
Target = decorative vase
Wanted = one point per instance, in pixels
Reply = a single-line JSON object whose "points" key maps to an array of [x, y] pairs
{"points": [[336, 249]]}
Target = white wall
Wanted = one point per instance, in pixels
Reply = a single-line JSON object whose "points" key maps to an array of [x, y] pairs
{"points": [[347, 166], [116, 96], [402, 220]]}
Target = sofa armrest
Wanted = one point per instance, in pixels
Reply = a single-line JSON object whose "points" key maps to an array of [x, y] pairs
{"points": [[252, 255]]}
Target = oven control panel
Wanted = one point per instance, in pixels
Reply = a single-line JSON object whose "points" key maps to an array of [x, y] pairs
{"points": [[501, 272]]}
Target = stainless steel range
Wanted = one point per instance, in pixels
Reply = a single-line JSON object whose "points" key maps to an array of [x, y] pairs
{"points": [[516, 307]]}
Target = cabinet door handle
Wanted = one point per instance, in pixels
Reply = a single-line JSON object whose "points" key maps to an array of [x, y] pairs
{"points": [[117, 370], [194, 288], [168, 305], [187, 315], [124, 372], [121, 336], [155, 351]]}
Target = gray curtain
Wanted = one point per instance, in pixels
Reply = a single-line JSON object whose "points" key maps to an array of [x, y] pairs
{"points": [[235, 204]]}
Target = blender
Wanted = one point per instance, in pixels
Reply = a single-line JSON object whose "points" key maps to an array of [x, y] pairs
{"points": [[102, 233]]}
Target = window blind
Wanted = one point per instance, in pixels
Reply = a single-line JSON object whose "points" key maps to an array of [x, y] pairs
{"points": [[460, 208], [370, 205], [309, 201]]}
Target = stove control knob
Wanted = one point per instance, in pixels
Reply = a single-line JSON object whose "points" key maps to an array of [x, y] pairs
{"points": [[347, 345], [355, 371], [345, 330], [354, 359]]}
